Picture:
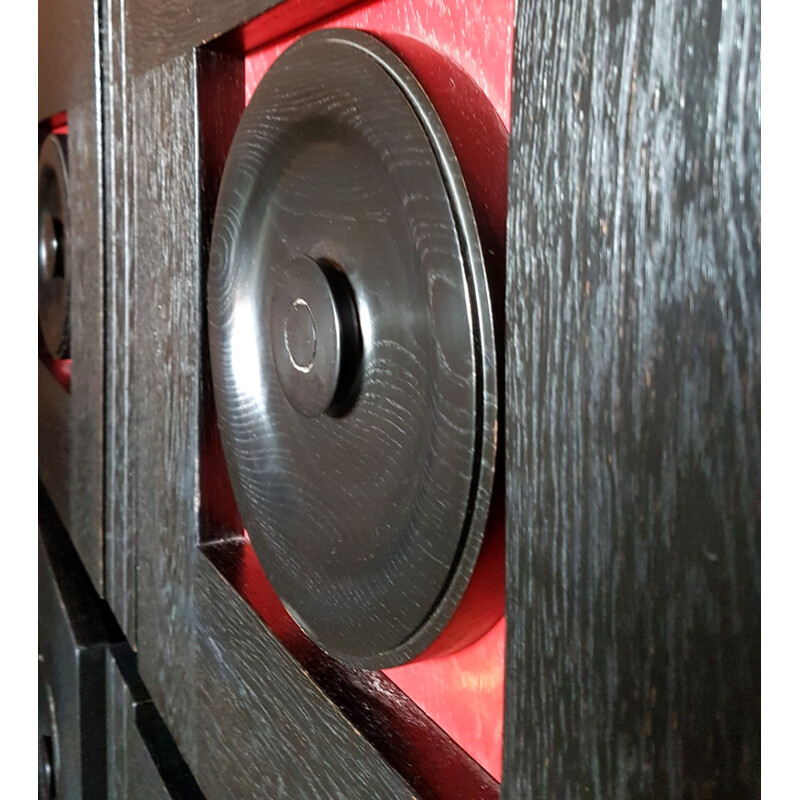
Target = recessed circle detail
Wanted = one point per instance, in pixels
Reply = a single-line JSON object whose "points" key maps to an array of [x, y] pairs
{"points": [[300, 336], [311, 338]]}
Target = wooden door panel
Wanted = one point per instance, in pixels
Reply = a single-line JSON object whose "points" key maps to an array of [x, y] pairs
{"points": [[628, 658], [71, 428]]}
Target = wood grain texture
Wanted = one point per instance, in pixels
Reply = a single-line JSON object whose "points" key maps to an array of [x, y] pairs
{"points": [[87, 333], [163, 29], [53, 440], [433, 765], [275, 733], [120, 550], [143, 777], [218, 690], [164, 378], [69, 81], [143, 761], [368, 520], [117, 714], [220, 95], [633, 387]]}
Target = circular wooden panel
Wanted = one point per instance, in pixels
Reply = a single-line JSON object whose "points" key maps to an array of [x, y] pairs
{"points": [[53, 246], [352, 350]]}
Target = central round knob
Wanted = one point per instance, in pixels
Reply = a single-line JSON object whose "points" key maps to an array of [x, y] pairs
{"points": [[49, 249], [300, 336], [314, 335]]}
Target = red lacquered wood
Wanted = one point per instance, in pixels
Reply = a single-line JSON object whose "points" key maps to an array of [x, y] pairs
{"points": [[475, 34], [465, 67], [58, 123], [61, 369], [463, 693]]}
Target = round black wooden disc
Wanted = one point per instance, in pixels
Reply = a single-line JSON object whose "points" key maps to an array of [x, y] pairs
{"points": [[53, 246], [352, 349]]}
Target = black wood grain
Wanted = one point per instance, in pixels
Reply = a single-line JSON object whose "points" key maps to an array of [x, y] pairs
{"points": [[120, 552], [69, 75], [143, 777], [143, 759], [164, 376], [220, 101], [163, 29], [86, 313], [368, 520], [633, 356], [433, 765], [118, 711], [275, 733]]}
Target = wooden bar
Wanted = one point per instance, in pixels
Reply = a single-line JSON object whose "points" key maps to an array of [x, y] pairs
{"points": [[633, 388]]}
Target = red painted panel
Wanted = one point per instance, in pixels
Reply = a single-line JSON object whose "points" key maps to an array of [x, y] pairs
{"points": [[475, 34], [461, 692], [58, 123], [61, 368]]}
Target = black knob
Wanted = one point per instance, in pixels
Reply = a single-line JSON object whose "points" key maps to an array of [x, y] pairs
{"points": [[314, 336], [51, 263]]}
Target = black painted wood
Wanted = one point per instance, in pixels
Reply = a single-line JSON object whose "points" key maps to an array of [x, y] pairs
{"points": [[120, 551], [54, 232], [69, 75], [276, 734], [143, 777], [143, 761], [73, 637], [633, 389], [375, 560], [220, 102], [53, 440], [164, 29], [164, 375], [433, 764], [118, 711]]}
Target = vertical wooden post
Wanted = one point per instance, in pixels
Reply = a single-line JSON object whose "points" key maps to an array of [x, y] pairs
{"points": [[633, 354]]}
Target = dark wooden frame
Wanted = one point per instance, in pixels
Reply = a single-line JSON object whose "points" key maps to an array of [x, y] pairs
{"points": [[632, 404], [251, 716], [107, 738], [142, 759], [72, 643], [71, 424]]}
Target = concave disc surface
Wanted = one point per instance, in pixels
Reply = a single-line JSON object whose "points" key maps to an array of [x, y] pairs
{"points": [[53, 246], [366, 516]]}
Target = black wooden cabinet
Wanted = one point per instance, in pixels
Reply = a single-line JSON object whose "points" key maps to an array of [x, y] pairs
{"points": [[630, 437]]}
